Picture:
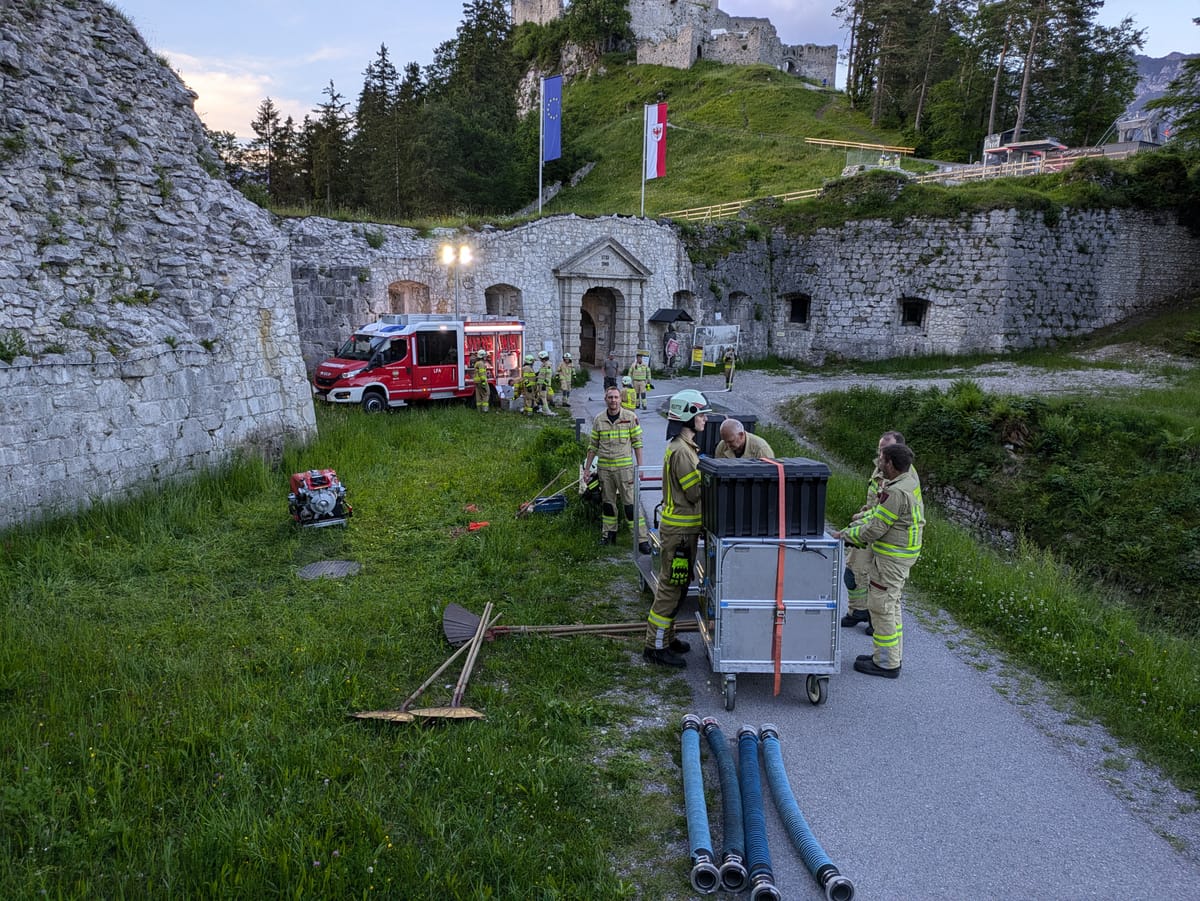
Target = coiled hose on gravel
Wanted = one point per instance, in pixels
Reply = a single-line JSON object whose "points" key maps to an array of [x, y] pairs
{"points": [[705, 876], [733, 867], [837, 887], [758, 855]]}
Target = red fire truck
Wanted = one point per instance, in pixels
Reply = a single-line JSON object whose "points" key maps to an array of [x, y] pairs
{"points": [[410, 357]]}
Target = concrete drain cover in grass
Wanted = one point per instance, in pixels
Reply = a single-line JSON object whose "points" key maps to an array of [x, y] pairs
{"points": [[331, 569]]}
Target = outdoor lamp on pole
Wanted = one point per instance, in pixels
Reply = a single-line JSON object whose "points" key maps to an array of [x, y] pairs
{"points": [[455, 258]]}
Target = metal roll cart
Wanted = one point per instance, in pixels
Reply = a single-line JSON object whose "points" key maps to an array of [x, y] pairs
{"points": [[738, 608]]}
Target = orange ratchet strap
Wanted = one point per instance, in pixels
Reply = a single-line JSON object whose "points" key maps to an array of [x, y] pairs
{"points": [[780, 607]]}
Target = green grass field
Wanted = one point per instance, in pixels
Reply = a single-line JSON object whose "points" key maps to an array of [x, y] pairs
{"points": [[174, 699]]}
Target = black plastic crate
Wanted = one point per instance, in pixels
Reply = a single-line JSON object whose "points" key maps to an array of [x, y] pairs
{"points": [[708, 440], [741, 497]]}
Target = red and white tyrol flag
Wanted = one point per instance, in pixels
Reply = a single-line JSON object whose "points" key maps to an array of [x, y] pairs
{"points": [[656, 140]]}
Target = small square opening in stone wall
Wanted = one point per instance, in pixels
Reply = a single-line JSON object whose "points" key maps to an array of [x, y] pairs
{"points": [[913, 311], [799, 307]]}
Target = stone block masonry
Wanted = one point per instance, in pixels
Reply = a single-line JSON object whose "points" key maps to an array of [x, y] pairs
{"points": [[153, 301]]}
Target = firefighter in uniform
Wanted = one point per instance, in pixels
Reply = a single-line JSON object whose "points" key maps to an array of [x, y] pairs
{"points": [[545, 383], [858, 560], [616, 445], [566, 375], [736, 443], [640, 373], [729, 359], [892, 530], [679, 530], [480, 375], [628, 393], [528, 384]]}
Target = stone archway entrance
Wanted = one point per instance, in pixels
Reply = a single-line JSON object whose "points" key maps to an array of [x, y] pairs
{"points": [[601, 292], [600, 306]]}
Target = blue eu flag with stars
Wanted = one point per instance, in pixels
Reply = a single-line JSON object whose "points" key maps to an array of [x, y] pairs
{"points": [[552, 118]]}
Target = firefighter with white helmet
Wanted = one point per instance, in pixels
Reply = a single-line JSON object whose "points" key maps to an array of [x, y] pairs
{"points": [[566, 375], [545, 389], [529, 384], [480, 375], [628, 393], [639, 372], [680, 527]]}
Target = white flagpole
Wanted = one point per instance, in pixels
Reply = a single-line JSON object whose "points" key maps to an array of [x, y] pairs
{"points": [[541, 139], [643, 213]]}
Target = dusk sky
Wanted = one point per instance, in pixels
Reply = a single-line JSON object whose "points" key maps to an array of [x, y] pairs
{"points": [[234, 53]]}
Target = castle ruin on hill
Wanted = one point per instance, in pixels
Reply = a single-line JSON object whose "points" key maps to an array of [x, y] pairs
{"points": [[677, 34]]}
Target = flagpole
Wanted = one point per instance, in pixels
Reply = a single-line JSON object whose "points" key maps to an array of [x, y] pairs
{"points": [[541, 139], [643, 213]]}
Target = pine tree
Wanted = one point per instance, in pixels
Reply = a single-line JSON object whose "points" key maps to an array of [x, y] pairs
{"points": [[263, 151], [374, 151], [330, 151]]}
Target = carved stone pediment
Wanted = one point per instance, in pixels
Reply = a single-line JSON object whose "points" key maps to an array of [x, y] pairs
{"points": [[603, 260]]}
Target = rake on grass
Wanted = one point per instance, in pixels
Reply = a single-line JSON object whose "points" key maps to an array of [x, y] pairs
{"points": [[459, 625], [402, 714], [456, 711]]}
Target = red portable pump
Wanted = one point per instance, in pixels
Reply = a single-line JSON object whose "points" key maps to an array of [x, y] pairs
{"points": [[318, 499]]}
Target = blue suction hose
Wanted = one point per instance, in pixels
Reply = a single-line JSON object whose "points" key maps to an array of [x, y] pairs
{"points": [[733, 868], [758, 855], [837, 887], [705, 876]]}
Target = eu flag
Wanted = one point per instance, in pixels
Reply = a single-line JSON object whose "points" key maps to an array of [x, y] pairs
{"points": [[551, 118]]}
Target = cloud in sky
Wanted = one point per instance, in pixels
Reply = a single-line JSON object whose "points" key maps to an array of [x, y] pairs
{"points": [[228, 87]]}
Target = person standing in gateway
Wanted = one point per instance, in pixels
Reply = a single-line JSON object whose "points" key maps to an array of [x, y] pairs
{"points": [[611, 370], [679, 532]]}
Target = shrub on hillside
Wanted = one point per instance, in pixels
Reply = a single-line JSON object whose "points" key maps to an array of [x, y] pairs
{"points": [[1109, 488]]}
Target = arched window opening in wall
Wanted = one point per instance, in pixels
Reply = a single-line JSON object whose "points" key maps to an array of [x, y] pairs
{"points": [[738, 307], [408, 297], [504, 300], [913, 311], [799, 307]]}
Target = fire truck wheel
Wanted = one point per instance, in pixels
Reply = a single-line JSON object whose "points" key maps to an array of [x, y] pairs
{"points": [[374, 402]]}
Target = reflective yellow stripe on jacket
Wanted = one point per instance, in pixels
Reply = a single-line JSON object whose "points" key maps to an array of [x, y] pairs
{"points": [[681, 478]]}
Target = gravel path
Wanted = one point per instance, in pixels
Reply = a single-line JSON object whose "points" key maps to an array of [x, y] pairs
{"points": [[967, 777]]}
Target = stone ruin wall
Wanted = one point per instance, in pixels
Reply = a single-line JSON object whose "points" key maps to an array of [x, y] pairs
{"points": [[990, 282], [994, 281], [676, 34], [539, 12], [815, 61], [153, 302]]}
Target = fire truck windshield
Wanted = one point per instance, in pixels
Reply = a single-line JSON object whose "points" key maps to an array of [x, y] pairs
{"points": [[359, 347]]}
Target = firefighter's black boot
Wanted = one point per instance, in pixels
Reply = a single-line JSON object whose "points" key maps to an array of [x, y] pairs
{"points": [[854, 617], [663, 657]]}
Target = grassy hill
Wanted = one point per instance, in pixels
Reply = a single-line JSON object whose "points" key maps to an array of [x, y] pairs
{"points": [[734, 132]]}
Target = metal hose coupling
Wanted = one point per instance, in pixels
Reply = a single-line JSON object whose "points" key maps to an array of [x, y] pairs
{"points": [[733, 874], [764, 889], [705, 877], [837, 886]]}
